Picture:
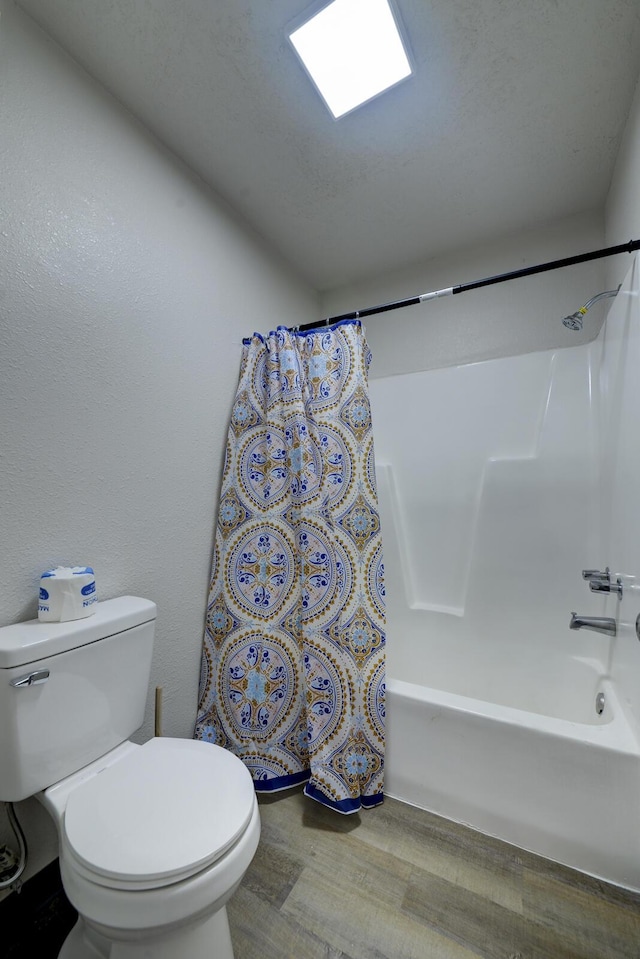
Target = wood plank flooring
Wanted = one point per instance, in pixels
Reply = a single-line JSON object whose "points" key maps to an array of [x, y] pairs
{"points": [[395, 882]]}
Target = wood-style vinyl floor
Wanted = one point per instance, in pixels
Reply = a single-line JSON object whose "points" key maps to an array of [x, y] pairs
{"points": [[395, 882]]}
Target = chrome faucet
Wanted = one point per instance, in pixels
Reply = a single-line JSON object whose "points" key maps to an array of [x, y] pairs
{"points": [[600, 581], [601, 624]]}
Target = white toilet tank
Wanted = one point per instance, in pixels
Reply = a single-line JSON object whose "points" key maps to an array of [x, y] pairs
{"points": [[70, 692]]}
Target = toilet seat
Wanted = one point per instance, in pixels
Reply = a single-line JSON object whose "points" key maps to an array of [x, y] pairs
{"points": [[164, 812]]}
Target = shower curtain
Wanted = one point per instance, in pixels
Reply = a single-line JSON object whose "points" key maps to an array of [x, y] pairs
{"points": [[293, 657]]}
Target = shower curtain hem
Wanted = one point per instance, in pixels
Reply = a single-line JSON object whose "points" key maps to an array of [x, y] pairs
{"points": [[344, 806], [281, 783]]}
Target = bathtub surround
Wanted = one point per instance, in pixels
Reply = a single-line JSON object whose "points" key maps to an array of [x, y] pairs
{"points": [[293, 661], [521, 488], [617, 386], [126, 289]]}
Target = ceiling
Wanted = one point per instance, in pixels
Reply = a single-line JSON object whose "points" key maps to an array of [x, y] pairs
{"points": [[514, 117]]}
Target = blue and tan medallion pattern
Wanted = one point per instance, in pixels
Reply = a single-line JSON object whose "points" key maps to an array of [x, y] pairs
{"points": [[362, 636], [370, 469], [293, 661], [325, 689], [375, 697], [356, 414], [260, 572], [258, 681], [376, 596], [231, 513], [220, 622], [304, 460], [244, 414], [263, 469], [338, 453], [329, 367], [361, 521]]}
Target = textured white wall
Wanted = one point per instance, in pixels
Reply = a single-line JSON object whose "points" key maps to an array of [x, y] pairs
{"points": [[125, 290], [622, 213], [521, 316]]}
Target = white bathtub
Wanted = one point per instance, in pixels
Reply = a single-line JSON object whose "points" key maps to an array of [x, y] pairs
{"points": [[555, 778], [499, 482]]}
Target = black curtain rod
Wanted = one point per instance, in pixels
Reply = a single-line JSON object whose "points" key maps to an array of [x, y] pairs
{"points": [[629, 247]]}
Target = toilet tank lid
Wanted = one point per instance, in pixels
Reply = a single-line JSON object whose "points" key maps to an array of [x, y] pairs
{"points": [[30, 641]]}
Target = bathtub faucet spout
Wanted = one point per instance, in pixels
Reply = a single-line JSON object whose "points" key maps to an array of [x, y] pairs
{"points": [[601, 624]]}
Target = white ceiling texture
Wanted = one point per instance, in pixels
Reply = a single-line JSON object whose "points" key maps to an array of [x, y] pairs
{"points": [[514, 117]]}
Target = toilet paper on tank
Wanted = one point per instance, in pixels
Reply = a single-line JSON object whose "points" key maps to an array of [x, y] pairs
{"points": [[67, 592]]}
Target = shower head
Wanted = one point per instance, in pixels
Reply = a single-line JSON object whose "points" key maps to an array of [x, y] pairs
{"points": [[575, 320]]}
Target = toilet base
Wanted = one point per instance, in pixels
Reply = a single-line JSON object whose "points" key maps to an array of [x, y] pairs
{"points": [[210, 939]]}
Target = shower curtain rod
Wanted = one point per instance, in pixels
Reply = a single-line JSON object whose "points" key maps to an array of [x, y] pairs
{"points": [[629, 247]]}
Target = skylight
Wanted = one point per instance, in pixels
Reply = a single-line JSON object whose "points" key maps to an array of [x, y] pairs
{"points": [[352, 51]]}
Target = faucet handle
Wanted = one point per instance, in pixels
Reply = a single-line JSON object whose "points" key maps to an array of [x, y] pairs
{"points": [[606, 586], [600, 582]]}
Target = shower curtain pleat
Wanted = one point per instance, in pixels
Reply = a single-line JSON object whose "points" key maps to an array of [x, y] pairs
{"points": [[293, 657]]}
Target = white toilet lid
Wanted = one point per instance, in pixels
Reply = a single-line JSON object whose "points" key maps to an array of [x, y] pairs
{"points": [[163, 812]]}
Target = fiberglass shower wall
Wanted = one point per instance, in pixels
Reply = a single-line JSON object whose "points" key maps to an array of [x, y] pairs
{"points": [[488, 479], [617, 386]]}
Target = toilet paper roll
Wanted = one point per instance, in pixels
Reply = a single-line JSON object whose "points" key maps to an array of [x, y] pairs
{"points": [[67, 592]]}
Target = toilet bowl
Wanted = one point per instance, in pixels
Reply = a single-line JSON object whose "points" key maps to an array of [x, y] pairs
{"points": [[153, 839]]}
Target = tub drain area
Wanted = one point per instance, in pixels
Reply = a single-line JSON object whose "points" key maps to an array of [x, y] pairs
{"points": [[600, 704]]}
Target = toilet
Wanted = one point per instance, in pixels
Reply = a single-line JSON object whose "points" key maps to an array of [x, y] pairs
{"points": [[153, 839]]}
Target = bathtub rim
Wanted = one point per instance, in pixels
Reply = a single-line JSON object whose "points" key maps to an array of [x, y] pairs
{"points": [[618, 734]]}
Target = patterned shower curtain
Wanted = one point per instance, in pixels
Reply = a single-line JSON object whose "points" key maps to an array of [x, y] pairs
{"points": [[293, 659]]}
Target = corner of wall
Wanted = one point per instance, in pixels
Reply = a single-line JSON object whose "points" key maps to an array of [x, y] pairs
{"points": [[622, 208]]}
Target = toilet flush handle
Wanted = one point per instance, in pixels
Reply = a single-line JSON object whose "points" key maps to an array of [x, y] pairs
{"points": [[31, 679]]}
